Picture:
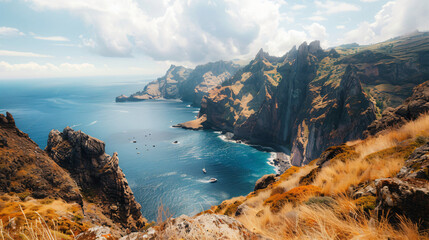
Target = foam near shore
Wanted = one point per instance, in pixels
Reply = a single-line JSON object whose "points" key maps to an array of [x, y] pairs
{"points": [[279, 160]]}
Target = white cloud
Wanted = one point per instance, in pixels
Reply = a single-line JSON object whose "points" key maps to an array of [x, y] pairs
{"points": [[340, 27], [10, 32], [33, 69], [317, 18], [395, 18], [7, 53], [369, 0], [181, 30], [53, 38], [316, 31], [331, 7], [298, 7], [65, 44], [284, 41]]}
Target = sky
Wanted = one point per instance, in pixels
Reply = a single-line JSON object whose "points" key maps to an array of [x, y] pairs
{"points": [[81, 38]]}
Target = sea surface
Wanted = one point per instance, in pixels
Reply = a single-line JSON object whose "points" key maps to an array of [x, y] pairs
{"points": [[157, 170]]}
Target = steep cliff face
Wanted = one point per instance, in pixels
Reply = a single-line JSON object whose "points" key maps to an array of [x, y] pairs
{"points": [[27, 170], [311, 99], [97, 174], [186, 84], [164, 87], [204, 78]]}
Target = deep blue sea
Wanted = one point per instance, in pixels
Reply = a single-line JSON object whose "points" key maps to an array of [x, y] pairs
{"points": [[157, 170]]}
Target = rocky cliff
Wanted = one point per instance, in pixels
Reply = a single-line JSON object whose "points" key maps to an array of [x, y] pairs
{"points": [[411, 109], [186, 84], [311, 98], [204, 78], [74, 182], [27, 170], [97, 174], [164, 87]]}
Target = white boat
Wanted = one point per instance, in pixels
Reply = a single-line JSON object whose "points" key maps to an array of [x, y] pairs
{"points": [[204, 171], [213, 180]]}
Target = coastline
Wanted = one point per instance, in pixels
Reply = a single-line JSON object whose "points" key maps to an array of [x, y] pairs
{"points": [[280, 160]]}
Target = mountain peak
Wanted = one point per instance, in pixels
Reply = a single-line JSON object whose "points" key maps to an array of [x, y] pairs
{"points": [[314, 46], [172, 66], [261, 54]]}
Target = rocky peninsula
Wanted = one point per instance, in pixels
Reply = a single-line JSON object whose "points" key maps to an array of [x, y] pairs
{"points": [[186, 84]]}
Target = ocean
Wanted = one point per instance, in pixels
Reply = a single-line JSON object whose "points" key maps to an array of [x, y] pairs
{"points": [[157, 169]]}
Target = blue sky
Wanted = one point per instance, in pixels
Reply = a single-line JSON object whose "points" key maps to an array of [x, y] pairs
{"points": [[64, 38]]}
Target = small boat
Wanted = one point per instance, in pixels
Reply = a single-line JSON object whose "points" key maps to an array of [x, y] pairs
{"points": [[134, 141], [213, 180], [204, 171]]}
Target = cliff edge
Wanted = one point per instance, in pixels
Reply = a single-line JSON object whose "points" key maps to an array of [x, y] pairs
{"points": [[98, 175]]}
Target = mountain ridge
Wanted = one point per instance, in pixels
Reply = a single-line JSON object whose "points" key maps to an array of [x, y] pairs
{"points": [[184, 83], [310, 98]]}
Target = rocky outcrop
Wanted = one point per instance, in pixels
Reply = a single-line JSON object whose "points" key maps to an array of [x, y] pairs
{"points": [[411, 109], [27, 170], [417, 165], [407, 194], [196, 124], [207, 226], [186, 84], [96, 233], [264, 181], [97, 174], [164, 87], [311, 99], [403, 197]]}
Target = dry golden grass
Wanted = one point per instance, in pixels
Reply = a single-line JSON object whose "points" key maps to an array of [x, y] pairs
{"points": [[39, 218], [378, 157], [35, 229], [413, 129], [343, 221]]}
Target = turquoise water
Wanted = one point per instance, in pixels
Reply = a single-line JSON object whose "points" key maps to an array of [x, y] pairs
{"points": [[157, 170]]}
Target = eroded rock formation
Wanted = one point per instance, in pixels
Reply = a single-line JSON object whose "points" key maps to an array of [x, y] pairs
{"points": [[97, 174]]}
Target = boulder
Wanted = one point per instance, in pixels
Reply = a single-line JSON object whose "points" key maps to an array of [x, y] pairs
{"points": [[417, 165], [96, 233], [207, 226], [403, 197], [264, 181]]}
